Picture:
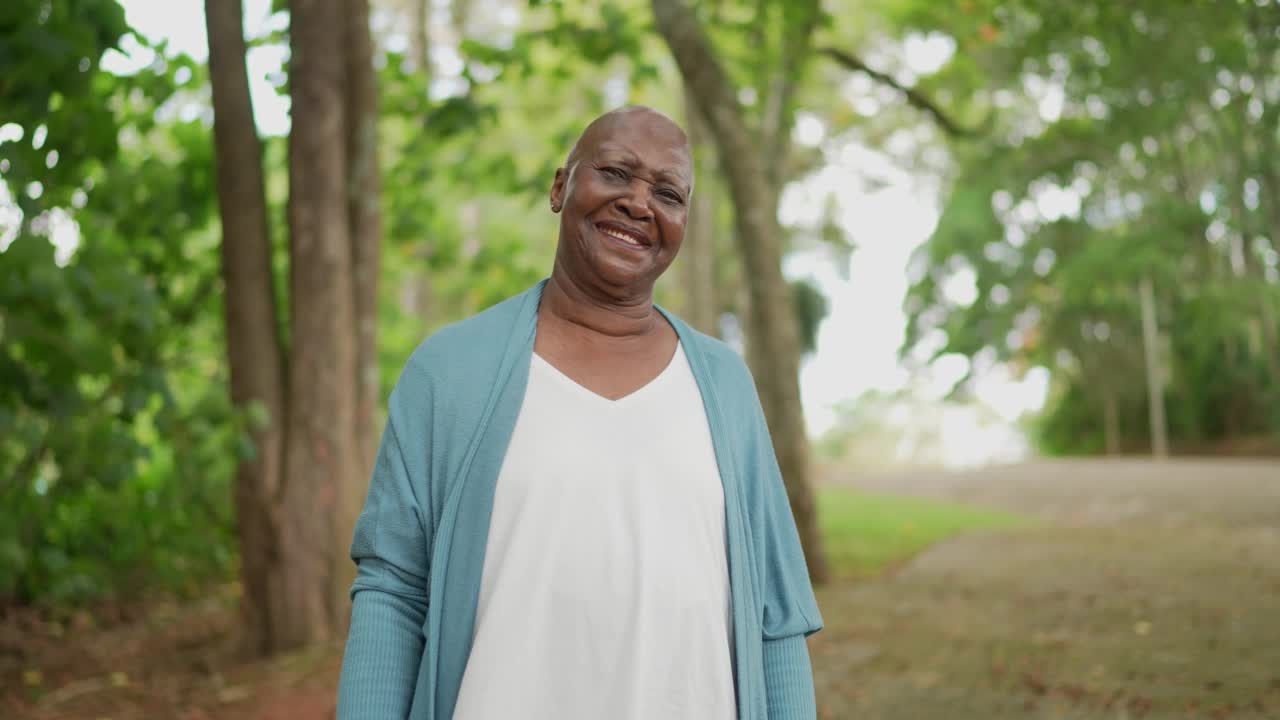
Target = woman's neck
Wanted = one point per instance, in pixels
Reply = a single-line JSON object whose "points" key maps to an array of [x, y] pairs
{"points": [[571, 304]]}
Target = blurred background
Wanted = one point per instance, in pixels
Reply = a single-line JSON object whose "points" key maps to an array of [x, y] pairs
{"points": [[1013, 308]]}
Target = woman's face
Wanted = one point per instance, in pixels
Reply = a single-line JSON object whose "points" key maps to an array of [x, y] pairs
{"points": [[624, 198]]}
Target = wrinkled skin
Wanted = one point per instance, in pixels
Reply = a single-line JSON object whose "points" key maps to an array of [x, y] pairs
{"points": [[630, 174], [623, 197]]}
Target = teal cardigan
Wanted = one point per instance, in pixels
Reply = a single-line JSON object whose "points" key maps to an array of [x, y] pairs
{"points": [[420, 541]]}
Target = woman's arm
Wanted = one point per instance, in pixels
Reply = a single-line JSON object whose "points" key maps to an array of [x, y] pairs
{"points": [[788, 679], [392, 547]]}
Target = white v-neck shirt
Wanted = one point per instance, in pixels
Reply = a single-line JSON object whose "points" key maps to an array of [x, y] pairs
{"points": [[605, 590]]}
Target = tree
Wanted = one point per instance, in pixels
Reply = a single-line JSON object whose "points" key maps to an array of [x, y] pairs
{"points": [[756, 159], [698, 253], [1151, 290], [299, 493], [364, 214], [102, 338], [773, 343], [255, 351]]}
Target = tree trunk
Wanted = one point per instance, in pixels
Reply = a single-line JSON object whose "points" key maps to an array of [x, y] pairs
{"points": [[460, 16], [298, 498], [1270, 335], [364, 215], [417, 296], [699, 251], [254, 350], [779, 113], [321, 452], [1155, 381], [365, 218], [420, 38], [773, 346], [1110, 421]]}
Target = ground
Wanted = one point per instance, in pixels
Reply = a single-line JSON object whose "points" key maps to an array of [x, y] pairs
{"points": [[1136, 590], [1144, 591]]}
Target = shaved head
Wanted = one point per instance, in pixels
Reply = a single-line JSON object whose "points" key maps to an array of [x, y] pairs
{"points": [[604, 125], [623, 197]]}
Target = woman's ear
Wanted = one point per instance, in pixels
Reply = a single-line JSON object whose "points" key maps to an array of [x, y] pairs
{"points": [[557, 189]]}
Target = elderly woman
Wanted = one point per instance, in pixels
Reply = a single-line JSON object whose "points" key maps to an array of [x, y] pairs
{"points": [[576, 513]]}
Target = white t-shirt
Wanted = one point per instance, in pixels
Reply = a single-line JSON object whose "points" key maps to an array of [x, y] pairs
{"points": [[605, 591]]}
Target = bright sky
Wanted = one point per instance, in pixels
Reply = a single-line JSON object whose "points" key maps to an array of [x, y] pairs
{"points": [[181, 22], [858, 343]]}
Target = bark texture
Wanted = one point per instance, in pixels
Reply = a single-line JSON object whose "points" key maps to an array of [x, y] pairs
{"points": [[254, 351], [1110, 421], [1155, 381], [698, 255], [298, 497], [773, 343], [320, 455], [421, 36], [364, 214]]}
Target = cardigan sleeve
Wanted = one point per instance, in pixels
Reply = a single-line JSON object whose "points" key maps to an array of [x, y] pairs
{"points": [[391, 547], [789, 607], [788, 603], [788, 679]]}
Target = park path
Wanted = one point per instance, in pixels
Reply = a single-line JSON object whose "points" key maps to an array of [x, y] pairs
{"points": [[1144, 590]]}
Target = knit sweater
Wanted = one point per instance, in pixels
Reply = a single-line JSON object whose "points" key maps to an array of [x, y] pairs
{"points": [[419, 543]]}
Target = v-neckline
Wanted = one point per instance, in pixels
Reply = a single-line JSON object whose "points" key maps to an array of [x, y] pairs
{"points": [[596, 397]]}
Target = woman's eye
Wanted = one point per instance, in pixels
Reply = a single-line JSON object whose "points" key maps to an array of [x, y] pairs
{"points": [[671, 197], [614, 173]]}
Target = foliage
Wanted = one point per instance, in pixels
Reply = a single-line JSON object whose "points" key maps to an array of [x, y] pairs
{"points": [[117, 448], [117, 439], [811, 308], [1128, 145], [115, 426], [49, 62]]}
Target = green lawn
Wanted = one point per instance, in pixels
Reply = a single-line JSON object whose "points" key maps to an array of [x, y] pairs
{"points": [[866, 533]]}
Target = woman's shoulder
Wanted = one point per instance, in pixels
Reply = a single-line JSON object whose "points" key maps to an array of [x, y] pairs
{"points": [[468, 354], [479, 338]]}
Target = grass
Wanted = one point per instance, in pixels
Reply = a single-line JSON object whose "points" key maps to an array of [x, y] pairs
{"points": [[866, 533]]}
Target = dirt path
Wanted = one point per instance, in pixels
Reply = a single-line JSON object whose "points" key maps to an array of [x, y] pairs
{"points": [[1147, 591]]}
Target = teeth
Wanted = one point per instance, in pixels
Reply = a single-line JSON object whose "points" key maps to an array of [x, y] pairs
{"points": [[617, 235]]}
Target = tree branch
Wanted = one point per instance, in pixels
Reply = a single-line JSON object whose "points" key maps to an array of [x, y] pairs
{"points": [[914, 97], [717, 100], [422, 37], [779, 115], [25, 466]]}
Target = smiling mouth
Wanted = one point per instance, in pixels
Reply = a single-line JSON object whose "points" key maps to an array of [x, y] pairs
{"points": [[623, 235]]}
